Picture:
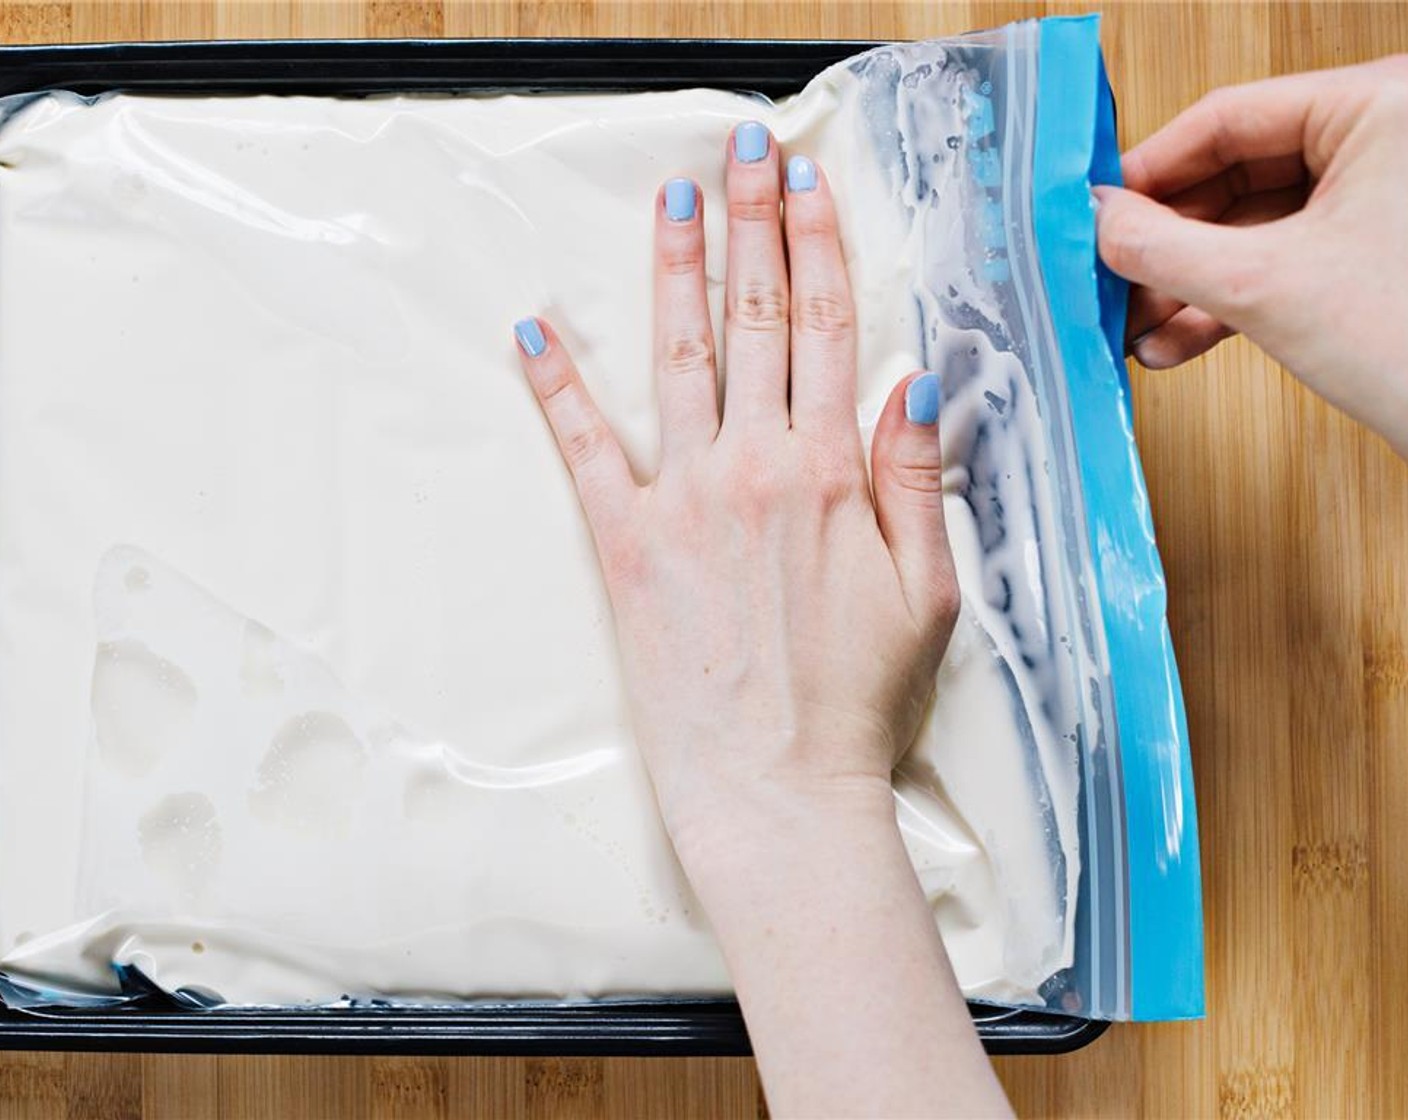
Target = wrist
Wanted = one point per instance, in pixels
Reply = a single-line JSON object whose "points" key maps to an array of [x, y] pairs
{"points": [[752, 831], [816, 907]]}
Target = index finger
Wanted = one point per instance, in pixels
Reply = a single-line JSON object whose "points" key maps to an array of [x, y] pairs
{"points": [[1272, 118]]}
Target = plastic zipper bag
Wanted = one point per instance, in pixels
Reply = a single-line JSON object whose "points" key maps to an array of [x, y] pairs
{"points": [[295, 831]]}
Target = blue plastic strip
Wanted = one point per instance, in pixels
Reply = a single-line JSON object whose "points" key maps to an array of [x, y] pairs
{"points": [[1076, 146]]}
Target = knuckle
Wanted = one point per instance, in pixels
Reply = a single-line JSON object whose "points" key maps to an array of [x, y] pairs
{"points": [[681, 256], [948, 600], [553, 384], [828, 314], [1245, 283], [1135, 168], [1213, 104], [685, 521], [1239, 179], [1216, 110], [1391, 96], [688, 352], [836, 483], [1395, 67], [812, 222], [760, 497], [938, 601], [584, 445], [624, 559], [923, 481], [696, 498], [753, 204], [760, 306], [750, 473], [754, 483]]}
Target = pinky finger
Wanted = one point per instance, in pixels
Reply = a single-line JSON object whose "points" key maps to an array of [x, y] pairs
{"points": [[1180, 338], [589, 448]]}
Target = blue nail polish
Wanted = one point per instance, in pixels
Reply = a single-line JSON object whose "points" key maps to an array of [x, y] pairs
{"points": [[922, 398], [530, 337], [750, 142], [679, 200], [801, 174]]}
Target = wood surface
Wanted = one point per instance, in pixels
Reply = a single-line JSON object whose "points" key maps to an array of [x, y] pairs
{"points": [[1283, 529]]}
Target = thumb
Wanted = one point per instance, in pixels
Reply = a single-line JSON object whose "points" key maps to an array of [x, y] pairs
{"points": [[1224, 270], [907, 477]]}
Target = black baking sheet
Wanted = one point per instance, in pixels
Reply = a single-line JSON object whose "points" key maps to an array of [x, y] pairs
{"points": [[361, 68]]}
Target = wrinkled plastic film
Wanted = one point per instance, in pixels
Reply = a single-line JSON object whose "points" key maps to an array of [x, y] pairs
{"points": [[273, 812]]}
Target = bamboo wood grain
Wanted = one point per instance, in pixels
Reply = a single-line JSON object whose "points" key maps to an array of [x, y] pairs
{"points": [[1283, 529]]}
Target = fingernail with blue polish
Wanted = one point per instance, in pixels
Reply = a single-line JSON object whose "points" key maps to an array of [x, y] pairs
{"points": [[801, 174], [530, 337], [679, 200], [750, 142], [922, 398]]}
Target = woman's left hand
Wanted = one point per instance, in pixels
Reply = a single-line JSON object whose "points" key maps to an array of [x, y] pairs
{"points": [[780, 619]]}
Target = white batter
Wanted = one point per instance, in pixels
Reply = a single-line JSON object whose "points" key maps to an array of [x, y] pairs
{"points": [[307, 682]]}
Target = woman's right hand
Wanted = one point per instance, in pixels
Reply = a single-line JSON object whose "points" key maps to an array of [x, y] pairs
{"points": [[1278, 209]]}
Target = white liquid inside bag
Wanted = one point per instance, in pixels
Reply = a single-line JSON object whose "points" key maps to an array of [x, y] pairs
{"points": [[307, 680]]}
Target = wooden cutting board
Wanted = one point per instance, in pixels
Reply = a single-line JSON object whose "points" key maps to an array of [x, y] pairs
{"points": [[1283, 528]]}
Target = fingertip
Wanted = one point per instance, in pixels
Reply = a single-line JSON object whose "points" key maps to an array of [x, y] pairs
{"points": [[809, 208], [679, 231], [802, 175], [1150, 354], [1133, 170], [1110, 201], [679, 199], [750, 142], [1148, 310], [1125, 225], [923, 397], [1185, 336], [810, 218], [532, 339], [907, 429]]}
